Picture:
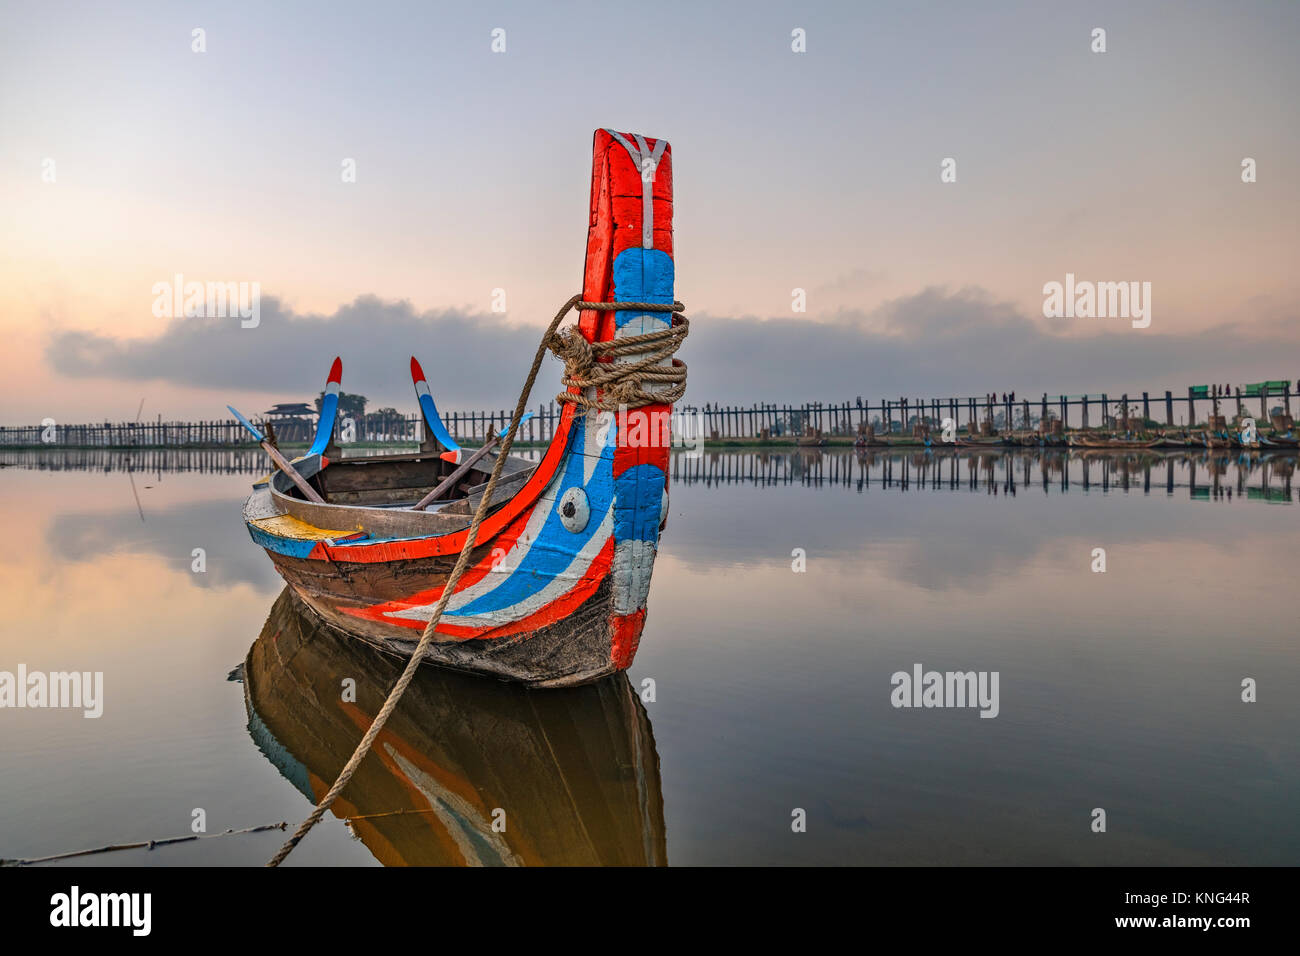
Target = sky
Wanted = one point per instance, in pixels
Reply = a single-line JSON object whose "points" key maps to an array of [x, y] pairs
{"points": [[126, 158]]}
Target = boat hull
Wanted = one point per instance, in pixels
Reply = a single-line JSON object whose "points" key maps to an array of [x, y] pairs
{"points": [[581, 648], [547, 599]]}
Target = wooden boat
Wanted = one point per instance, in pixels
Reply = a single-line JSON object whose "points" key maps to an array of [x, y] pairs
{"points": [[556, 591], [467, 772], [1091, 441]]}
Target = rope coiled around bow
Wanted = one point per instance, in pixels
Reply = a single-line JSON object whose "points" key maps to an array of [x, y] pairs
{"points": [[583, 369], [641, 378]]}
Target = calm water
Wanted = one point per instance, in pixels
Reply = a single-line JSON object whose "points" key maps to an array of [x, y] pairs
{"points": [[1119, 690]]}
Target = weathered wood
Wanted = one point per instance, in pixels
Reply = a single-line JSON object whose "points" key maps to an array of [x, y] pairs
{"points": [[285, 466], [474, 493], [383, 473], [450, 481]]}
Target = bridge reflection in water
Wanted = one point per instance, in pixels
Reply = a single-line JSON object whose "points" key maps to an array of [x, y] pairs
{"points": [[467, 771], [1201, 473], [1207, 474]]}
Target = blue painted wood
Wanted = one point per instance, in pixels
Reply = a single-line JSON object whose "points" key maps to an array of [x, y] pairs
{"points": [[430, 411], [328, 409], [247, 424], [522, 421]]}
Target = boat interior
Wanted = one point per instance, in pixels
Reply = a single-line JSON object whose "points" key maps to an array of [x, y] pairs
{"points": [[400, 481], [376, 494]]}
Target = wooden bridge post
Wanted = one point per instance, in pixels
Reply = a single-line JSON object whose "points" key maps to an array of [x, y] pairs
{"points": [[1169, 408], [1146, 409], [1084, 400], [1191, 406]]}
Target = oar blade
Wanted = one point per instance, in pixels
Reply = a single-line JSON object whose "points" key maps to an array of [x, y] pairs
{"points": [[522, 419], [247, 424]]}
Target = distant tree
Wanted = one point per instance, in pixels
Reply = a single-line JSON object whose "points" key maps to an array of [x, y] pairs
{"points": [[389, 420], [350, 405]]}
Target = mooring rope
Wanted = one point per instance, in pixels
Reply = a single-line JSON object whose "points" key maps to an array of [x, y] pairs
{"points": [[580, 367], [622, 384], [141, 844]]}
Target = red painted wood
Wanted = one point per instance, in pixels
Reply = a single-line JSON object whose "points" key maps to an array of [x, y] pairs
{"points": [[615, 222]]}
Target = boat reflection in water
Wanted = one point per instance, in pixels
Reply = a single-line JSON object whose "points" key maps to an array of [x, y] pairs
{"points": [[574, 770]]}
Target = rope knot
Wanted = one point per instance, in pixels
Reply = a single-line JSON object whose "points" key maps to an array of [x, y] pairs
{"points": [[628, 371], [572, 349]]}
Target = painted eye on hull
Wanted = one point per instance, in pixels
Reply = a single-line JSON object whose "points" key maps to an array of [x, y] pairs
{"points": [[574, 510]]}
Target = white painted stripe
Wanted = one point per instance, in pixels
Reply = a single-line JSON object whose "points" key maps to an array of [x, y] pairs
{"points": [[634, 559], [515, 556], [559, 586], [639, 157]]}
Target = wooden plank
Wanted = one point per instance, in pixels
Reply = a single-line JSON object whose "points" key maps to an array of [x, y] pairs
{"points": [[449, 482]]}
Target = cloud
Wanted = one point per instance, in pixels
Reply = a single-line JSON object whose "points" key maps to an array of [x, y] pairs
{"points": [[470, 354], [936, 343], [171, 534]]}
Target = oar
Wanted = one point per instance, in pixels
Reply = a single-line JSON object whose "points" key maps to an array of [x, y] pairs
{"points": [[281, 462], [450, 481]]}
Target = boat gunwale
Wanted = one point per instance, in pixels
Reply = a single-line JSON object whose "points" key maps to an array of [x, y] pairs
{"points": [[411, 540]]}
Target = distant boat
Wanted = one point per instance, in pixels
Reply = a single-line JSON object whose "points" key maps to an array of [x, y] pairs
{"points": [[467, 772], [1095, 441], [556, 591]]}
